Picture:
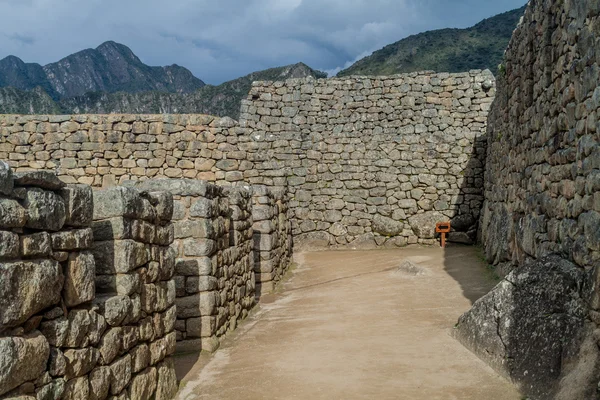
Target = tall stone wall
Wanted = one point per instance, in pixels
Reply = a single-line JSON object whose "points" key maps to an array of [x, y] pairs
{"points": [[373, 160], [541, 216], [214, 276], [85, 312]]}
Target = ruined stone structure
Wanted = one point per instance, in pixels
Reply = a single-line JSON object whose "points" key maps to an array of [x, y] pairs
{"points": [[322, 163], [87, 307], [541, 216], [365, 161]]}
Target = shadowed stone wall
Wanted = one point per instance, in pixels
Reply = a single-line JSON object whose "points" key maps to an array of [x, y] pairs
{"points": [[541, 216]]}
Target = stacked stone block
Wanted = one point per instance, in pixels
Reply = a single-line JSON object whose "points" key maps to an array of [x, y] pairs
{"points": [[105, 150], [272, 236], [214, 279], [46, 280], [373, 161], [135, 295]]}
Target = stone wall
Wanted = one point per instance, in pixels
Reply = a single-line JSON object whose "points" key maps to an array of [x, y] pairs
{"points": [[67, 330], [542, 197], [214, 266], [367, 161], [104, 150], [272, 237], [371, 160]]}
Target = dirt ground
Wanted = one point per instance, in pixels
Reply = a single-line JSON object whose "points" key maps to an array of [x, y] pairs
{"points": [[356, 325]]}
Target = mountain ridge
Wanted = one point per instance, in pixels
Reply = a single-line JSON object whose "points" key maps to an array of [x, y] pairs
{"points": [[443, 50]]}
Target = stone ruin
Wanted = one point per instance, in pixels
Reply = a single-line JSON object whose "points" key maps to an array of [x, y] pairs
{"points": [[191, 218]]}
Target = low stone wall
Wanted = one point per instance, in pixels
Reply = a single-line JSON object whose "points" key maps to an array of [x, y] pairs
{"points": [[106, 150], [272, 237], [215, 282], [65, 331]]}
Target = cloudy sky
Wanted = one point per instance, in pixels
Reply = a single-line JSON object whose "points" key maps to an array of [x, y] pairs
{"points": [[219, 40]]}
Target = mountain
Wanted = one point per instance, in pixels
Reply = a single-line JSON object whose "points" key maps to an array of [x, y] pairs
{"points": [[111, 67], [446, 50], [222, 100], [35, 101]]}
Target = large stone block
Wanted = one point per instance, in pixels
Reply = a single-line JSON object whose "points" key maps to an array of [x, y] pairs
{"points": [[80, 275], [28, 287], [423, 225], [194, 247], [12, 214], [143, 384], [36, 245], [387, 226], [45, 210], [41, 179], [167, 380], [532, 329], [117, 202], [75, 239], [6, 179], [119, 256], [79, 202], [197, 305], [22, 359], [120, 374], [9, 245], [80, 361]]}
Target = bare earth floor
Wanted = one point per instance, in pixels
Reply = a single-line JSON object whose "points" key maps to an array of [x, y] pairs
{"points": [[352, 325]]}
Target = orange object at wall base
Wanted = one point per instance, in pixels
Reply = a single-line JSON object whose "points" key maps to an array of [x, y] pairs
{"points": [[443, 228]]}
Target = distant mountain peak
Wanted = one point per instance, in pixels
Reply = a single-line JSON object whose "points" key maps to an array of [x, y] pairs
{"points": [[110, 67]]}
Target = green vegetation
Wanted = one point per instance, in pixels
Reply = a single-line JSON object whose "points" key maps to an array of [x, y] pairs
{"points": [[447, 50]]}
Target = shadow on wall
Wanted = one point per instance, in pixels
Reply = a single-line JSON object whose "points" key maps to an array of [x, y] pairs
{"points": [[465, 225]]}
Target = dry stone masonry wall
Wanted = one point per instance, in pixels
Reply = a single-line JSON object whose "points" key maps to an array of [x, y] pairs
{"points": [[367, 161], [541, 217], [272, 236], [214, 261], [104, 150], [371, 160], [82, 318]]}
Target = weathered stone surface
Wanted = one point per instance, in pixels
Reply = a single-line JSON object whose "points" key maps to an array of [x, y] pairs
{"points": [[75, 239], [79, 203], [386, 226], [143, 384], [531, 325], [80, 361], [77, 389], [99, 380], [423, 225], [28, 287], [79, 279], [45, 210], [196, 305], [120, 374], [119, 256], [167, 380], [117, 202], [6, 179], [111, 345], [36, 245], [9, 245], [23, 359], [42, 179], [12, 214]]}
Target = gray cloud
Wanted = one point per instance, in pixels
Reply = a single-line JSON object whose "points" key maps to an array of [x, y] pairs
{"points": [[221, 40]]}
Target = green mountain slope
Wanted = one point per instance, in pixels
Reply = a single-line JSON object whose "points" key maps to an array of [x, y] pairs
{"points": [[446, 50]]}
